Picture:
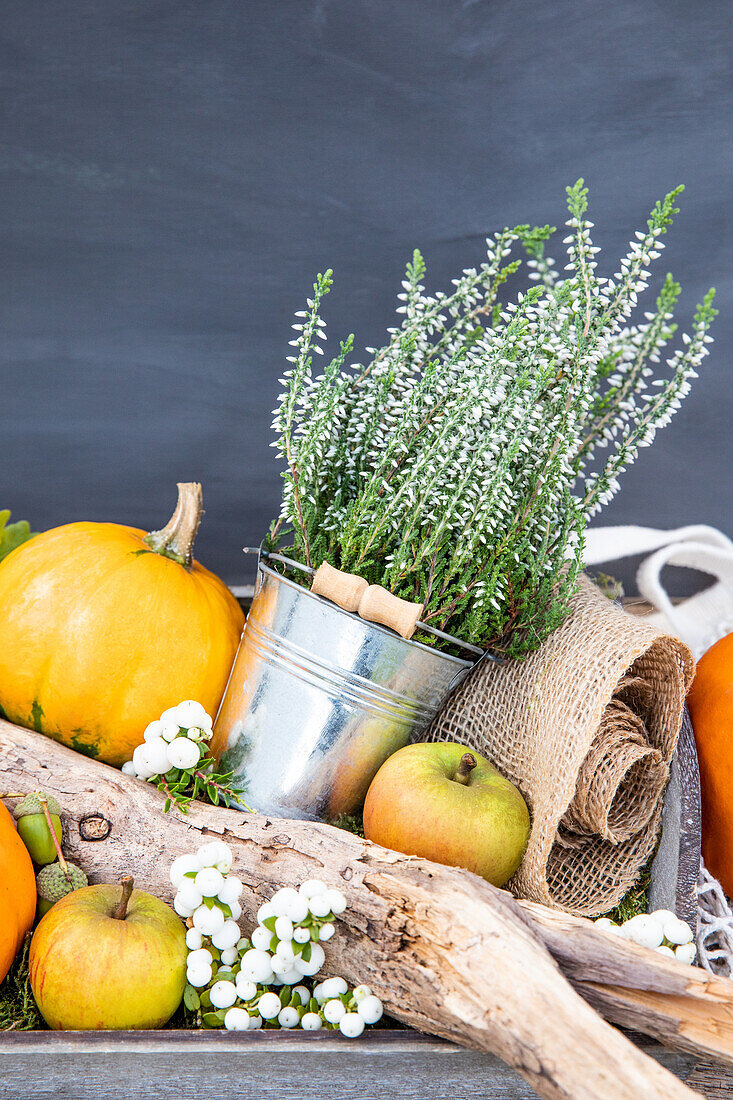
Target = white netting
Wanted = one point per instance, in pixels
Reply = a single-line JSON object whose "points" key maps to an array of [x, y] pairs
{"points": [[714, 926]]}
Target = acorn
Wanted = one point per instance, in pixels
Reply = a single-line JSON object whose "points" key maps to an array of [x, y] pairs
{"points": [[52, 884], [33, 826]]}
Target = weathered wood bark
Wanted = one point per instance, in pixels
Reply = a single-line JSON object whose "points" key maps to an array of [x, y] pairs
{"points": [[684, 1007], [446, 952]]}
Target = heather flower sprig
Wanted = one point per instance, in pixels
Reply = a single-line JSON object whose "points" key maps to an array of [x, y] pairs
{"points": [[459, 465]]}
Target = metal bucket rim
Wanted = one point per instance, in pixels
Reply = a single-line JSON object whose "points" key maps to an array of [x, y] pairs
{"points": [[460, 661]]}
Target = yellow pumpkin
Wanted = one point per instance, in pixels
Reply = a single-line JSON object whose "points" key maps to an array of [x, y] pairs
{"points": [[17, 891], [103, 627]]}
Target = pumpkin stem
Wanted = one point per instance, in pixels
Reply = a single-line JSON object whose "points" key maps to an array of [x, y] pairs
{"points": [[121, 911], [176, 539]]}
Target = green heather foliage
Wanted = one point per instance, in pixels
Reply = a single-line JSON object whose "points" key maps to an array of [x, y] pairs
{"points": [[460, 464]]}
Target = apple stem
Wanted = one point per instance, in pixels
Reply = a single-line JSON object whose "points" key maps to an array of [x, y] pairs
{"points": [[466, 766], [121, 911], [47, 814]]}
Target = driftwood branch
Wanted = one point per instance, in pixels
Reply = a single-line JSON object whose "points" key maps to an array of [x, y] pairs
{"points": [[446, 952], [683, 1007]]}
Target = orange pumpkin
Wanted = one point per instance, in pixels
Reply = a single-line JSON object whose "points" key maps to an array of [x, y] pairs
{"points": [[17, 891], [103, 627], [711, 708]]}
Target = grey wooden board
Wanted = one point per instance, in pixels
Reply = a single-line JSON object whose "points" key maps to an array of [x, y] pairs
{"points": [[178, 1065], [676, 865]]}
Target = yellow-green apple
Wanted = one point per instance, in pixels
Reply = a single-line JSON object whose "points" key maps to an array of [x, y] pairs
{"points": [[108, 958], [439, 801]]}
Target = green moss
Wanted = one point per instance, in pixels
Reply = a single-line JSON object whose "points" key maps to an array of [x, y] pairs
{"points": [[183, 1019], [608, 585], [636, 901], [350, 823], [17, 1007]]}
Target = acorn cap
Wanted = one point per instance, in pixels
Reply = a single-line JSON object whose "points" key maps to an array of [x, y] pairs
{"points": [[31, 804], [52, 884]]}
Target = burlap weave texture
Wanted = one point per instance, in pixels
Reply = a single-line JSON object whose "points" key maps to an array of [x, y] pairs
{"points": [[586, 727]]}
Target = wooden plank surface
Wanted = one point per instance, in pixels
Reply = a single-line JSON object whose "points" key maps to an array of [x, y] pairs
{"points": [[184, 1065]]}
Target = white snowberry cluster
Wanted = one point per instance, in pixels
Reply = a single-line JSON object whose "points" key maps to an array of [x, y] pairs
{"points": [[661, 930], [242, 983], [178, 739]]}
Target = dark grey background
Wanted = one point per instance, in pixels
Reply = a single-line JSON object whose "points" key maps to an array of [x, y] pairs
{"points": [[173, 174]]}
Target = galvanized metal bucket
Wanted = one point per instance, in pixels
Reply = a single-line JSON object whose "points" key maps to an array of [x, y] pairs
{"points": [[318, 699]]}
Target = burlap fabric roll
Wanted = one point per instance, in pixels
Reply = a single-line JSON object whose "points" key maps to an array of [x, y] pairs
{"points": [[586, 727]]}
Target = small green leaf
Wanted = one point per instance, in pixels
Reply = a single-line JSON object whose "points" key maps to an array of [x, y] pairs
{"points": [[191, 998], [12, 534]]}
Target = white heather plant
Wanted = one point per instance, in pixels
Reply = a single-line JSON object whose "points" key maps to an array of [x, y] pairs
{"points": [[243, 983], [460, 464]]}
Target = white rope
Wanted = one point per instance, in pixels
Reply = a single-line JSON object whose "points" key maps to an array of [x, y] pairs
{"points": [[699, 620]]}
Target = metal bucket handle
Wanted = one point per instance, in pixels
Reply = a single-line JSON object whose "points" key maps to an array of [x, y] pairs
{"points": [[482, 654]]}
